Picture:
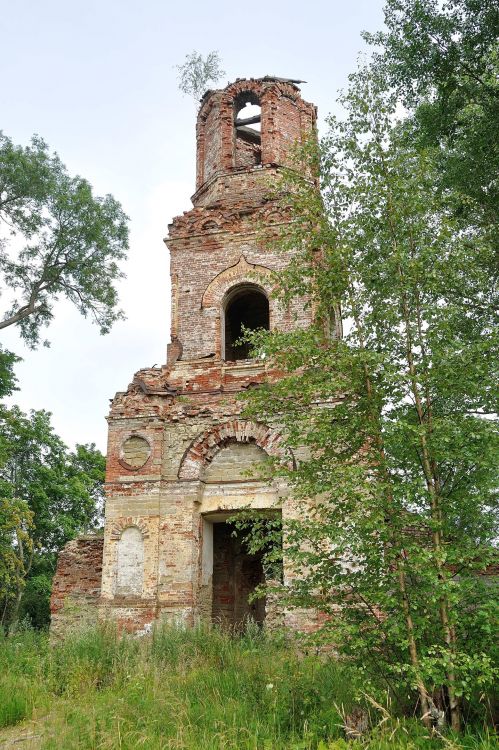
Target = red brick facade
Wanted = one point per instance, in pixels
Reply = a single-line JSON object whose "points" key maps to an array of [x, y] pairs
{"points": [[187, 412]]}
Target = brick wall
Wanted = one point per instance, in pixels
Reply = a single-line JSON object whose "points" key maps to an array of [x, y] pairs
{"points": [[285, 117], [77, 584]]}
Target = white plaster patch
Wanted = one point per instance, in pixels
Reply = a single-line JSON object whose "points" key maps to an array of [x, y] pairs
{"points": [[130, 572]]}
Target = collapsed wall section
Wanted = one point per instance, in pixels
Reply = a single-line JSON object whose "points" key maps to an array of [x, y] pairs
{"points": [[76, 586]]}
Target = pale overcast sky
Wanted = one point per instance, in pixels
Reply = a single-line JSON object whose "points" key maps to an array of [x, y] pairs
{"points": [[97, 81]]}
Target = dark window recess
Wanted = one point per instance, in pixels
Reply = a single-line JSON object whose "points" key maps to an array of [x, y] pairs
{"points": [[247, 125], [248, 308]]}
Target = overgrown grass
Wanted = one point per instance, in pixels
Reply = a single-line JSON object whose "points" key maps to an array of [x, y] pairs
{"points": [[191, 689]]}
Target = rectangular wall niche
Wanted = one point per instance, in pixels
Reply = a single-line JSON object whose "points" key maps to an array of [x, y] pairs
{"points": [[130, 570]]}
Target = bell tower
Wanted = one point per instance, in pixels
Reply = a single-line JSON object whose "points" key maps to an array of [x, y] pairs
{"points": [[214, 243], [179, 449]]}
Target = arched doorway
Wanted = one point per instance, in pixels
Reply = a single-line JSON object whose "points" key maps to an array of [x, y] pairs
{"points": [[246, 306], [233, 480]]}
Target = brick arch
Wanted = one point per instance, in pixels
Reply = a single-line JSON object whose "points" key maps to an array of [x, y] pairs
{"points": [[210, 224], [121, 524], [204, 448], [240, 273], [261, 88], [284, 117]]}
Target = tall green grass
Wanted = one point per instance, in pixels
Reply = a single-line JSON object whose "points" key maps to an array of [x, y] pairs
{"points": [[188, 689]]}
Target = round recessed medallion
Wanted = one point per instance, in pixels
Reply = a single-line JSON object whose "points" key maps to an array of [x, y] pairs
{"points": [[135, 451]]}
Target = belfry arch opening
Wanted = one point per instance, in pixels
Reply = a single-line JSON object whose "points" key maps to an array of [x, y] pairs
{"points": [[246, 306], [247, 130]]}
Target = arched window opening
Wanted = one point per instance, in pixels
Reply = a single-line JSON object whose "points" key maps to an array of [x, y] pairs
{"points": [[246, 307], [247, 130]]}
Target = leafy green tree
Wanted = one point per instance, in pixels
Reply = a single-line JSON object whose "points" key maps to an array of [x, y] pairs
{"points": [[402, 238], [70, 241], [60, 492], [7, 377], [442, 59], [86, 471], [15, 547], [197, 72], [392, 423]]}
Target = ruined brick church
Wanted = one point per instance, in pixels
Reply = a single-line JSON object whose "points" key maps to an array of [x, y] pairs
{"points": [[178, 450]]}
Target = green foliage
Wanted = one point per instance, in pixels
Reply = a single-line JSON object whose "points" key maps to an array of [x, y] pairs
{"points": [[70, 241], [442, 60], [35, 604], [7, 377], [16, 524], [54, 482], [197, 72], [262, 533], [48, 496], [15, 704], [393, 424], [191, 688]]}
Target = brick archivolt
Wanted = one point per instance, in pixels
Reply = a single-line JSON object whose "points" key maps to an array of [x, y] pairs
{"points": [[241, 273], [204, 448], [262, 89], [121, 524]]}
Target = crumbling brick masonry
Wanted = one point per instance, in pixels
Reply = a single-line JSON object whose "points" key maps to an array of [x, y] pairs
{"points": [[178, 449]]}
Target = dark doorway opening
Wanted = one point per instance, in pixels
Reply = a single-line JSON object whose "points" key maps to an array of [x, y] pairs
{"points": [[246, 307], [236, 574]]}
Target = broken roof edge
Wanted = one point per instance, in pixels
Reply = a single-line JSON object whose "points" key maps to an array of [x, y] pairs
{"points": [[267, 79], [294, 81]]}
